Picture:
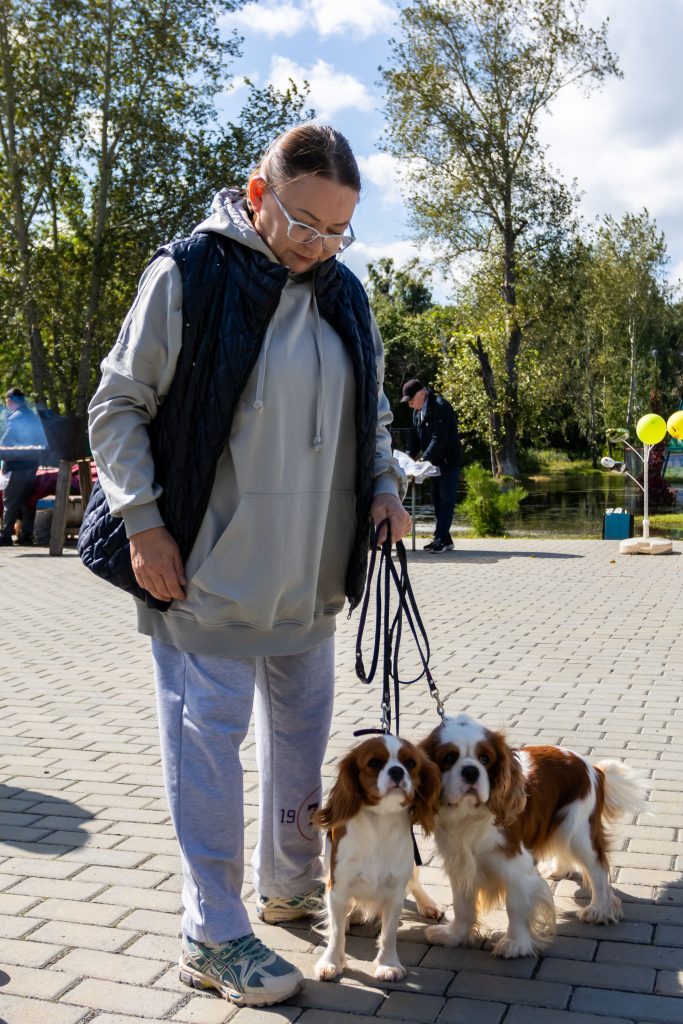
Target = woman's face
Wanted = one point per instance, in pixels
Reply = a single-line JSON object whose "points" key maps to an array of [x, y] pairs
{"points": [[318, 202]]}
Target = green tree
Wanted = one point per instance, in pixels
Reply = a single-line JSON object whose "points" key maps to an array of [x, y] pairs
{"points": [[112, 144], [468, 83], [401, 300], [628, 308], [43, 76]]}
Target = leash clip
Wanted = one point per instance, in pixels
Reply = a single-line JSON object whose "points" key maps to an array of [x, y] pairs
{"points": [[441, 711]]}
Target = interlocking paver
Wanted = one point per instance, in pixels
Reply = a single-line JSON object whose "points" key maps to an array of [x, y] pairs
{"points": [[111, 995], [660, 1009], [628, 978], [206, 1010], [38, 984], [543, 638], [16, 1010], [471, 1011], [110, 966]]}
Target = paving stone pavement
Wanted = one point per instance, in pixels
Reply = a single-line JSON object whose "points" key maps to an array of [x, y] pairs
{"points": [[556, 641]]}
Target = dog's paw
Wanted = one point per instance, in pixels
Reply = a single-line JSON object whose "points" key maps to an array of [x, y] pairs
{"points": [[389, 972], [429, 909], [449, 935], [509, 948], [605, 914], [555, 869], [327, 970]]}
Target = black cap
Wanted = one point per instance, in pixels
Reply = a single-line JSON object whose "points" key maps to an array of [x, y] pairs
{"points": [[411, 388]]}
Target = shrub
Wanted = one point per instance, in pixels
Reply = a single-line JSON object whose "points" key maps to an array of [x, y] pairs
{"points": [[486, 504]]}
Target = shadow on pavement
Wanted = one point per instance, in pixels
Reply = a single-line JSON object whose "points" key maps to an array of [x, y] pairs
{"points": [[483, 556], [23, 811]]}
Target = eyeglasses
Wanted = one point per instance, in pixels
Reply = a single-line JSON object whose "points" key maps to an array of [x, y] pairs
{"points": [[305, 234]]}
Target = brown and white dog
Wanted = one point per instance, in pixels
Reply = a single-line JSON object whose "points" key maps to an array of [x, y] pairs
{"points": [[502, 810], [383, 787]]}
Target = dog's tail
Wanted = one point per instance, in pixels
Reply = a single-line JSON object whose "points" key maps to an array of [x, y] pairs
{"points": [[625, 790]]}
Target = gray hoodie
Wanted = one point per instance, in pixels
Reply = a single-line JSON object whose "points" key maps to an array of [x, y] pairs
{"points": [[266, 573]]}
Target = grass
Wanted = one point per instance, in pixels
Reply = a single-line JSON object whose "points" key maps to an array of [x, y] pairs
{"points": [[545, 462], [664, 521]]}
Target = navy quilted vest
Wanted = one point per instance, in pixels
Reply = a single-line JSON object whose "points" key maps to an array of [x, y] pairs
{"points": [[230, 293]]}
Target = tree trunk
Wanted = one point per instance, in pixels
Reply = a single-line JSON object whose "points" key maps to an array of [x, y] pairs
{"points": [[632, 376], [39, 368], [99, 226], [496, 435], [509, 465]]}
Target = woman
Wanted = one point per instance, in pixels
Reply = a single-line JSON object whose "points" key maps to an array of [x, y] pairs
{"points": [[240, 430]]}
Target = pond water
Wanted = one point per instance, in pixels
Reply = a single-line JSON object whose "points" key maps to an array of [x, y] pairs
{"points": [[559, 505]]}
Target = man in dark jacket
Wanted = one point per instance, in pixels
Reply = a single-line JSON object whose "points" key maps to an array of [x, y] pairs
{"points": [[435, 435], [22, 446]]}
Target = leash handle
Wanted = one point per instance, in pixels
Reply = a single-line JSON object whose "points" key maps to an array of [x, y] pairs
{"points": [[389, 636]]}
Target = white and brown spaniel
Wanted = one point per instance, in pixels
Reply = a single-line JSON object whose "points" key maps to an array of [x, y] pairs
{"points": [[384, 786], [502, 811]]}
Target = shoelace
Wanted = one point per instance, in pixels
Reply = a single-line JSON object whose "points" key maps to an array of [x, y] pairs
{"points": [[252, 947]]}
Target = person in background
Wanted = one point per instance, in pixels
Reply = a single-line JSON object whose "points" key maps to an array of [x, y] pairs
{"points": [[22, 446], [242, 411], [435, 437]]}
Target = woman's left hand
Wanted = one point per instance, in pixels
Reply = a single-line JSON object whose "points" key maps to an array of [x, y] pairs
{"points": [[388, 506]]}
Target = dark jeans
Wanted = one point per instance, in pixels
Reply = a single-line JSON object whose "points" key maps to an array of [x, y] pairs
{"points": [[16, 497], [443, 496]]}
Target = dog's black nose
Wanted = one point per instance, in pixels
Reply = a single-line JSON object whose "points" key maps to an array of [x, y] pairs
{"points": [[470, 773], [396, 774]]}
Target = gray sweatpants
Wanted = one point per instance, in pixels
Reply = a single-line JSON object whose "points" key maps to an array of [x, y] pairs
{"points": [[204, 706]]}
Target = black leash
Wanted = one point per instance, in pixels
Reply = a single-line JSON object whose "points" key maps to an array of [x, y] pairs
{"points": [[388, 632]]}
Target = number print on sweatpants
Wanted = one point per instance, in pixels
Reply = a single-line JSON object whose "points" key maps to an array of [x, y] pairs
{"points": [[302, 817]]}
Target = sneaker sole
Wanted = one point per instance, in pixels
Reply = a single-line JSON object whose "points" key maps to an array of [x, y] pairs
{"points": [[283, 916], [195, 979]]}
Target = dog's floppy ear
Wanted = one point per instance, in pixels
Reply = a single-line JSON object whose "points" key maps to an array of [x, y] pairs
{"points": [[344, 801], [427, 793], [508, 791], [431, 742]]}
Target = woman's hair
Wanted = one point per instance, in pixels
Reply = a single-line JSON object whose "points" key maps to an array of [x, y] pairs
{"points": [[316, 149]]}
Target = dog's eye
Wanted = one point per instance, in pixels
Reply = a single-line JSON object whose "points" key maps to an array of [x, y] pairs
{"points": [[484, 759], [409, 764], [376, 763], [449, 759]]}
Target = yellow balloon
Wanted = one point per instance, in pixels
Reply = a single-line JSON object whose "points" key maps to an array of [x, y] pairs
{"points": [[651, 428], [674, 425]]}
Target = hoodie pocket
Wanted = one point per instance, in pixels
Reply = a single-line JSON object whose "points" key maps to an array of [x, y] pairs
{"points": [[282, 558]]}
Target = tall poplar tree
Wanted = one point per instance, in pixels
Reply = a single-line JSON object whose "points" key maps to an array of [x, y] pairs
{"points": [[465, 90]]}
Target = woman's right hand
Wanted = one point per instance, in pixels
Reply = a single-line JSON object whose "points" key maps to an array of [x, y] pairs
{"points": [[157, 565]]}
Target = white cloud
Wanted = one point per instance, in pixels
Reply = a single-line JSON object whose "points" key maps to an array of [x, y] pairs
{"points": [[624, 143], [272, 19], [331, 90], [401, 251], [361, 17], [386, 173], [240, 82]]}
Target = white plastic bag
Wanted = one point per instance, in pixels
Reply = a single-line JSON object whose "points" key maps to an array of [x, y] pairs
{"points": [[417, 471]]}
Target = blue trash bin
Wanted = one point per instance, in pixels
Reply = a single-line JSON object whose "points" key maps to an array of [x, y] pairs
{"points": [[617, 524]]}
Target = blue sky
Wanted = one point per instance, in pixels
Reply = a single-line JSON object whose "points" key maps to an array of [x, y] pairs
{"points": [[623, 144]]}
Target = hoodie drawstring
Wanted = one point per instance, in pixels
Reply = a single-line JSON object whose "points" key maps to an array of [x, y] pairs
{"points": [[257, 404], [320, 397], [261, 378]]}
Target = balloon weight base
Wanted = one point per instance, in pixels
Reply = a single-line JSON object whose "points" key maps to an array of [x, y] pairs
{"points": [[643, 546]]}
